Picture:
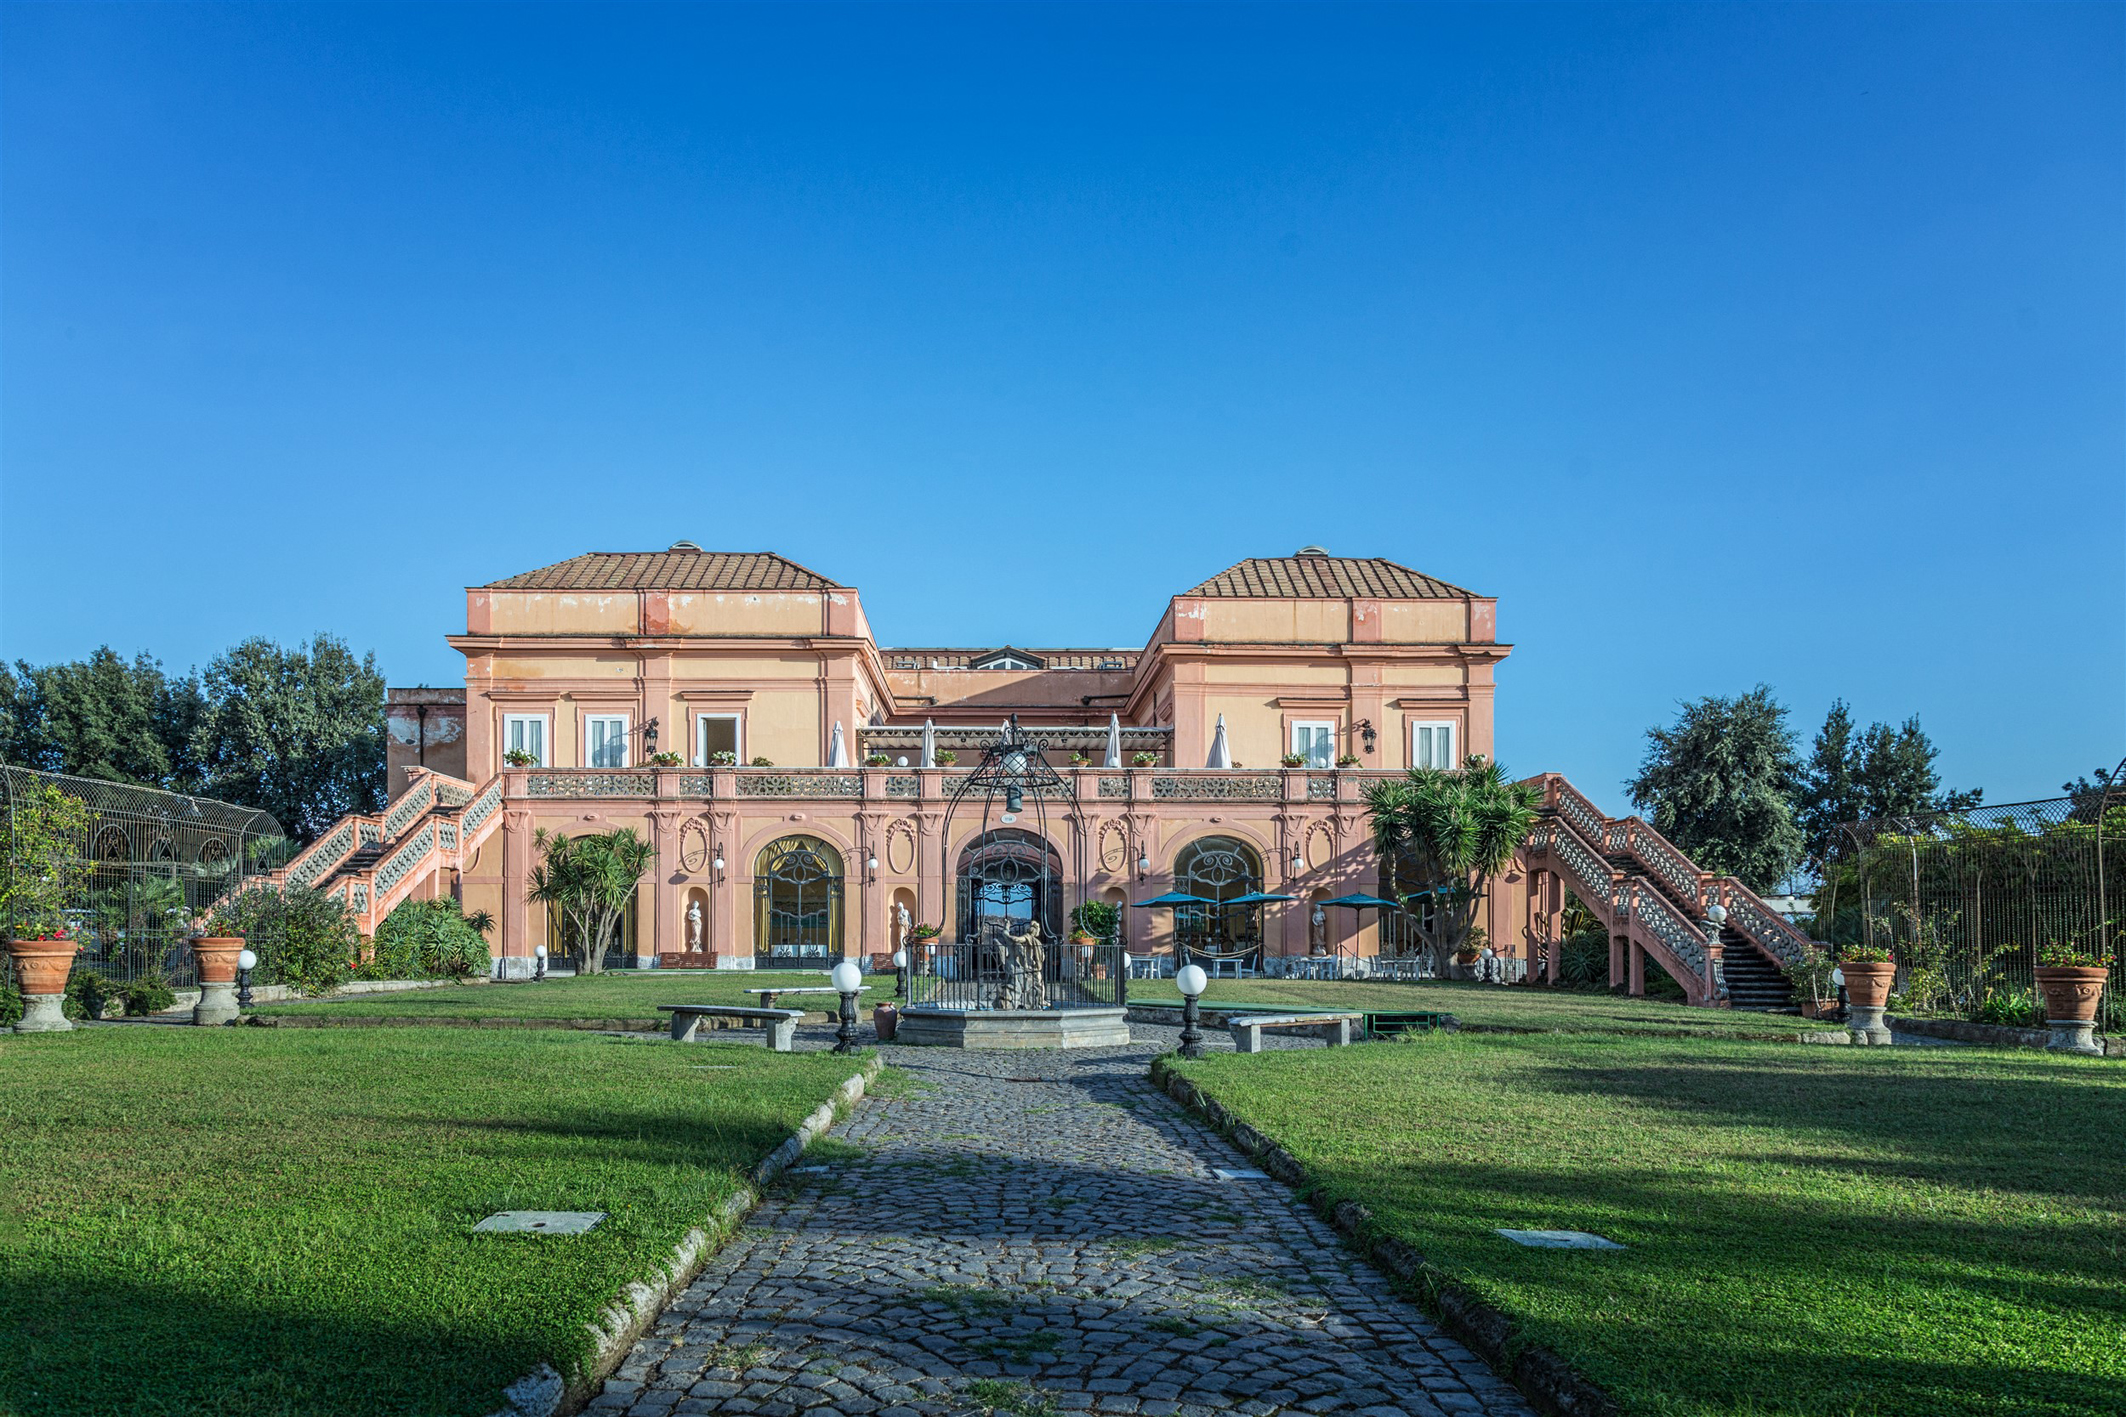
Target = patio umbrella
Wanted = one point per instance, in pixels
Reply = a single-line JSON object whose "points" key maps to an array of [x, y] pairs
{"points": [[1221, 751], [1114, 741], [1170, 900], [930, 745], [837, 751], [1363, 902], [1258, 898]]}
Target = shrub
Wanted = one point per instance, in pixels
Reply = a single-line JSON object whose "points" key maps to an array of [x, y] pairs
{"points": [[426, 939], [149, 994], [1099, 918], [1583, 959], [303, 938], [2010, 1008], [10, 1001], [88, 995]]}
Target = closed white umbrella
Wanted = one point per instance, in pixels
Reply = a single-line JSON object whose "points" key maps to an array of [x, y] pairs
{"points": [[1221, 751], [1114, 741], [837, 751], [930, 746]]}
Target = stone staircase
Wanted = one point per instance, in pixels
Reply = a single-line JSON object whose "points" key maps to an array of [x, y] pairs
{"points": [[1642, 887]]}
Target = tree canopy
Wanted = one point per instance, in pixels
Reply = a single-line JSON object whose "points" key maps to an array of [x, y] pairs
{"points": [[1875, 775], [1442, 836], [1720, 783]]}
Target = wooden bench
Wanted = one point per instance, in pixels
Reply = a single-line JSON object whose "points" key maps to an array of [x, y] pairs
{"points": [[1247, 1028], [769, 996], [780, 1023]]}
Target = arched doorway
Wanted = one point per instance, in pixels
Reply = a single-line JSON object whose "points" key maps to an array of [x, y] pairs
{"points": [[797, 904], [1010, 875], [1406, 935], [1218, 868]]}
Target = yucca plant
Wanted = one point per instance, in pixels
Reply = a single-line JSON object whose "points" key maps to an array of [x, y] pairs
{"points": [[590, 879], [1442, 836]]}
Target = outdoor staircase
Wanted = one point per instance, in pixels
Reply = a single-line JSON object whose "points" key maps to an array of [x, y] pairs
{"points": [[1644, 889], [373, 862]]}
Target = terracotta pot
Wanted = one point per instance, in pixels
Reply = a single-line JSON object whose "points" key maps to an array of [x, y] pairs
{"points": [[41, 966], [217, 957], [885, 1018], [1867, 986], [1817, 1008], [2071, 993]]}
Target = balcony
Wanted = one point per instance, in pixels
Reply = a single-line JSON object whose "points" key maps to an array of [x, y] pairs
{"points": [[1106, 786]]}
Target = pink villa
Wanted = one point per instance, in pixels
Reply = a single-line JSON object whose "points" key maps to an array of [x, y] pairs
{"points": [[737, 710]]}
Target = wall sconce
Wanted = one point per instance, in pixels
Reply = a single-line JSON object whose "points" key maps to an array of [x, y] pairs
{"points": [[719, 865], [871, 865], [1299, 864], [1144, 865], [1365, 729]]}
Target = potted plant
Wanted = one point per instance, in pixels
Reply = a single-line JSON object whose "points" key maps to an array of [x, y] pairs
{"points": [[42, 868], [217, 957], [764, 762], [1810, 977], [877, 760], [2071, 976], [945, 757], [723, 758], [1144, 760], [666, 760], [1079, 760], [1347, 760], [1294, 760], [518, 758], [1868, 972]]}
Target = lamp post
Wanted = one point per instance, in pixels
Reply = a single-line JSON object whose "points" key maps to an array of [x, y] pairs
{"points": [[245, 963], [847, 979], [539, 969], [900, 974], [1189, 979]]}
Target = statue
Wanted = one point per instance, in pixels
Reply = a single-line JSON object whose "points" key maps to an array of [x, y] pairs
{"points": [[1019, 957], [900, 934], [694, 928], [1318, 931]]}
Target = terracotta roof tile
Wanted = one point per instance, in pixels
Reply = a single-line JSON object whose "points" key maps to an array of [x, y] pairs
{"points": [[1325, 578], [677, 569]]}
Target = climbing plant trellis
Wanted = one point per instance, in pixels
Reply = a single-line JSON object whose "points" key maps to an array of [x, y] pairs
{"points": [[158, 857], [1966, 898]]}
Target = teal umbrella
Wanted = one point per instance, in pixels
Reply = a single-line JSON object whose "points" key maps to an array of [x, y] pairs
{"points": [[1363, 902], [1171, 899], [1259, 898]]}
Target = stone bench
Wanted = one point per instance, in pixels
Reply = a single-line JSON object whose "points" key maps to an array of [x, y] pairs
{"points": [[1247, 1028], [780, 1023], [769, 996]]}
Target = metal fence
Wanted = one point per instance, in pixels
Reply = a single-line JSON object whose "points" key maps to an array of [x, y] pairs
{"points": [[988, 975], [158, 858], [1965, 899]]}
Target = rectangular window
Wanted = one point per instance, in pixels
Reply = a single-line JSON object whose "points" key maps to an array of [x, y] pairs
{"points": [[716, 733], [605, 737], [1432, 745], [525, 733], [1316, 742]]}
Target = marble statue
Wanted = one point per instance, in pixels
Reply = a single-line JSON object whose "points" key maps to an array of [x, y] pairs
{"points": [[694, 927], [1318, 931], [900, 937], [1020, 957]]}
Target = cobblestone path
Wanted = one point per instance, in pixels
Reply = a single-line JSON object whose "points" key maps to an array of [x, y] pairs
{"points": [[1036, 1233]]}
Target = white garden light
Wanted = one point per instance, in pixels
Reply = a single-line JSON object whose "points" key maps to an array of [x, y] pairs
{"points": [[847, 978], [1190, 980]]}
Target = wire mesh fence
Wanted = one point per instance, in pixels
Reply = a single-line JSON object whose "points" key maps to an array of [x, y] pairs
{"points": [[157, 860], [1965, 900]]}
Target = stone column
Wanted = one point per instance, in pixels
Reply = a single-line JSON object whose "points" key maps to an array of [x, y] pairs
{"points": [[518, 937], [664, 924], [1619, 950], [1638, 970]]}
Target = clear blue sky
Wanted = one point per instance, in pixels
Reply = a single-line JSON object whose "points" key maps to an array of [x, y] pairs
{"points": [[1721, 343]]}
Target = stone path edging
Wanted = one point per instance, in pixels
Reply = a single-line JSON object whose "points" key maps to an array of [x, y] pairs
{"points": [[1544, 1377], [543, 1392]]}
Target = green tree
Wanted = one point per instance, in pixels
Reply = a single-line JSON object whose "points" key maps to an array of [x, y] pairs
{"points": [[1441, 837], [590, 879], [1880, 774], [44, 860], [1720, 783], [302, 937], [103, 717], [296, 732]]}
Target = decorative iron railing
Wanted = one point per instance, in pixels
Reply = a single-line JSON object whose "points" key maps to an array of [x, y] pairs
{"points": [[980, 975]]}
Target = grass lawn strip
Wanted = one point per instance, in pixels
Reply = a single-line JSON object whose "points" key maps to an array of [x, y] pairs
{"points": [[254, 1221], [1810, 1231], [1485, 1005], [618, 995]]}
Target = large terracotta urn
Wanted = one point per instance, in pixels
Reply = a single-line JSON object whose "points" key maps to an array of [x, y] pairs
{"points": [[217, 978], [41, 968], [1867, 990], [2071, 996]]}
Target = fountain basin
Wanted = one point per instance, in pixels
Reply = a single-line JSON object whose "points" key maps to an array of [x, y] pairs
{"points": [[927, 1026]]}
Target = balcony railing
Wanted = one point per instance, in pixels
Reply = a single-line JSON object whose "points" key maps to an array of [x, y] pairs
{"points": [[1093, 785]]}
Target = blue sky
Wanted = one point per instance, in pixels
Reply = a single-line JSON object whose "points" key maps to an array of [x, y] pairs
{"points": [[1721, 343]]}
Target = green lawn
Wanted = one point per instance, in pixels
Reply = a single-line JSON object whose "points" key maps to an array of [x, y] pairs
{"points": [[621, 994], [1512, 1006], [248, 1221], [1811, 1230]]}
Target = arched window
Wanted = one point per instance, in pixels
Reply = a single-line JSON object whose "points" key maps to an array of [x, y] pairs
{"points": [[1013, 875], [1218, 868], [797, 898]]}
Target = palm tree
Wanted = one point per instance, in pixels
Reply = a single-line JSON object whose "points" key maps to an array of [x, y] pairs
{"points": [[1442, 836], [591, 879]]}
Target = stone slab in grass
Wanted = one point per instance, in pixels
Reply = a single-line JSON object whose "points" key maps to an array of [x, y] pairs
{"points": [[1560, 1240], [539, 1222], [1239, 1173]]}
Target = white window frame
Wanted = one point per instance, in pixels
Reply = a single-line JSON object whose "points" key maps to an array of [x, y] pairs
{"points": [[1307, 725], [1454, 733], [545, 726], [625, 726], [738, 736]]}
